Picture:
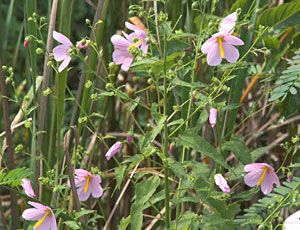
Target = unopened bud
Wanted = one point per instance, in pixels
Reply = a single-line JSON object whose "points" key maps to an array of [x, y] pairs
{"points": [[171, 148], [213, 113]]}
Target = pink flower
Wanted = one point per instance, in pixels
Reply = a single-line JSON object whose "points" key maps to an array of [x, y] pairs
{"points": [[61, 52], [27, 188], [26, 42], [222, 183], [114, 149], [81, 45], [43, 214], [87, 184], [228, 23], [222, 44], [125, 46], [261, 174], [213, 113], [140, 34], [292, 222]]}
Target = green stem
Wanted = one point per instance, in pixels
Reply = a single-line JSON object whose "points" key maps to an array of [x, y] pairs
{"points": [[165, 144]]}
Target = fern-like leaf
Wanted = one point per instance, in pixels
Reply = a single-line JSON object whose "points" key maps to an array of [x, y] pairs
{"points": [[265, 209], [289, 82], [14, 177]]}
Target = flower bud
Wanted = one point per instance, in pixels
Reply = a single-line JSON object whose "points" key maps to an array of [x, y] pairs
{"points": [[171, 148], [213, 113], [129, 138]]}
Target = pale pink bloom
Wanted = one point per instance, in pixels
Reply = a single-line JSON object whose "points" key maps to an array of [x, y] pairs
{"points": [[27, 188], [113, 150], [124, 45], [228, 23], [87, 184], [140, 34], [222, 183], [292, 222], [42, 214], [261, 174], [222, 44], [61, 52], [213, 114], [81, 45]]}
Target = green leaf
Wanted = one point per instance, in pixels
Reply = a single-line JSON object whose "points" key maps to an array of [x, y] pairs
{"points": [[119, 174], [124, 223], [198, 143], [143, 192], [239, 148], [276, 15], [72, 224]]}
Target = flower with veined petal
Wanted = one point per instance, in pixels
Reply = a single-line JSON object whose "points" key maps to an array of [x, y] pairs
{"points": [[87, 184], [61, 52], [222, 44], [261, 174], [42, 214], [113, 150]]}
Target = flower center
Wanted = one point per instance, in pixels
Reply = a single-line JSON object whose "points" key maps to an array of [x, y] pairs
{"points": [[40, 221], [87, 183], [134, 45], [263, 176], [221, 48]]}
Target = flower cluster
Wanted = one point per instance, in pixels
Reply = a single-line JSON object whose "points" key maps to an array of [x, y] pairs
{"points": [[86, 183]]}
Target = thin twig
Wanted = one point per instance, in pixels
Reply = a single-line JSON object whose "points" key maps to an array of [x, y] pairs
{"points": [[120, 197], [157, 218], [10, 150], [43, 102]]}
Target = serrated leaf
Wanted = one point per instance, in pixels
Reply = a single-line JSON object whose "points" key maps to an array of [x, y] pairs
{"points": [[239, 149], [124, 223], [72, 224], [119, 174]]}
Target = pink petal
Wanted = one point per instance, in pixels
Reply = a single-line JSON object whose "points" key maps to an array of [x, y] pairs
{"points": [[61, 52], [27, 188], [228, 23], [205, 48], [46, 225], [126, 64], [233, 40], [119, 55], [64, 64], [213, 56], [131, 26], [38, 205], [120, 42], [144, 47], [252, 178], [83, 196], [256, 166], [267, 185], [231, 53], [33, 214], [53, 224], [96, 189], [222, 183], [62, 38], [81, 172]]}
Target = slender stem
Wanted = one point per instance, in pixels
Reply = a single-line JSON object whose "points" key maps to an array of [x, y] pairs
{"points": [[165, 144], [10, 149]]}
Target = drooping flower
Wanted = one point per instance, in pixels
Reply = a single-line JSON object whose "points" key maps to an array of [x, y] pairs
{"points": [[42, 214], [222, 183], [113, 150], [61, 52], [213, 113], [222, 44], [261, 174], [87, 184], [292, 222], [27, 188]]}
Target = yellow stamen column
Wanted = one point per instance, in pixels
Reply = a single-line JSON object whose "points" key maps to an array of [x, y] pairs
{"points": [[40, 221], [221, 48], [263, 175]]}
